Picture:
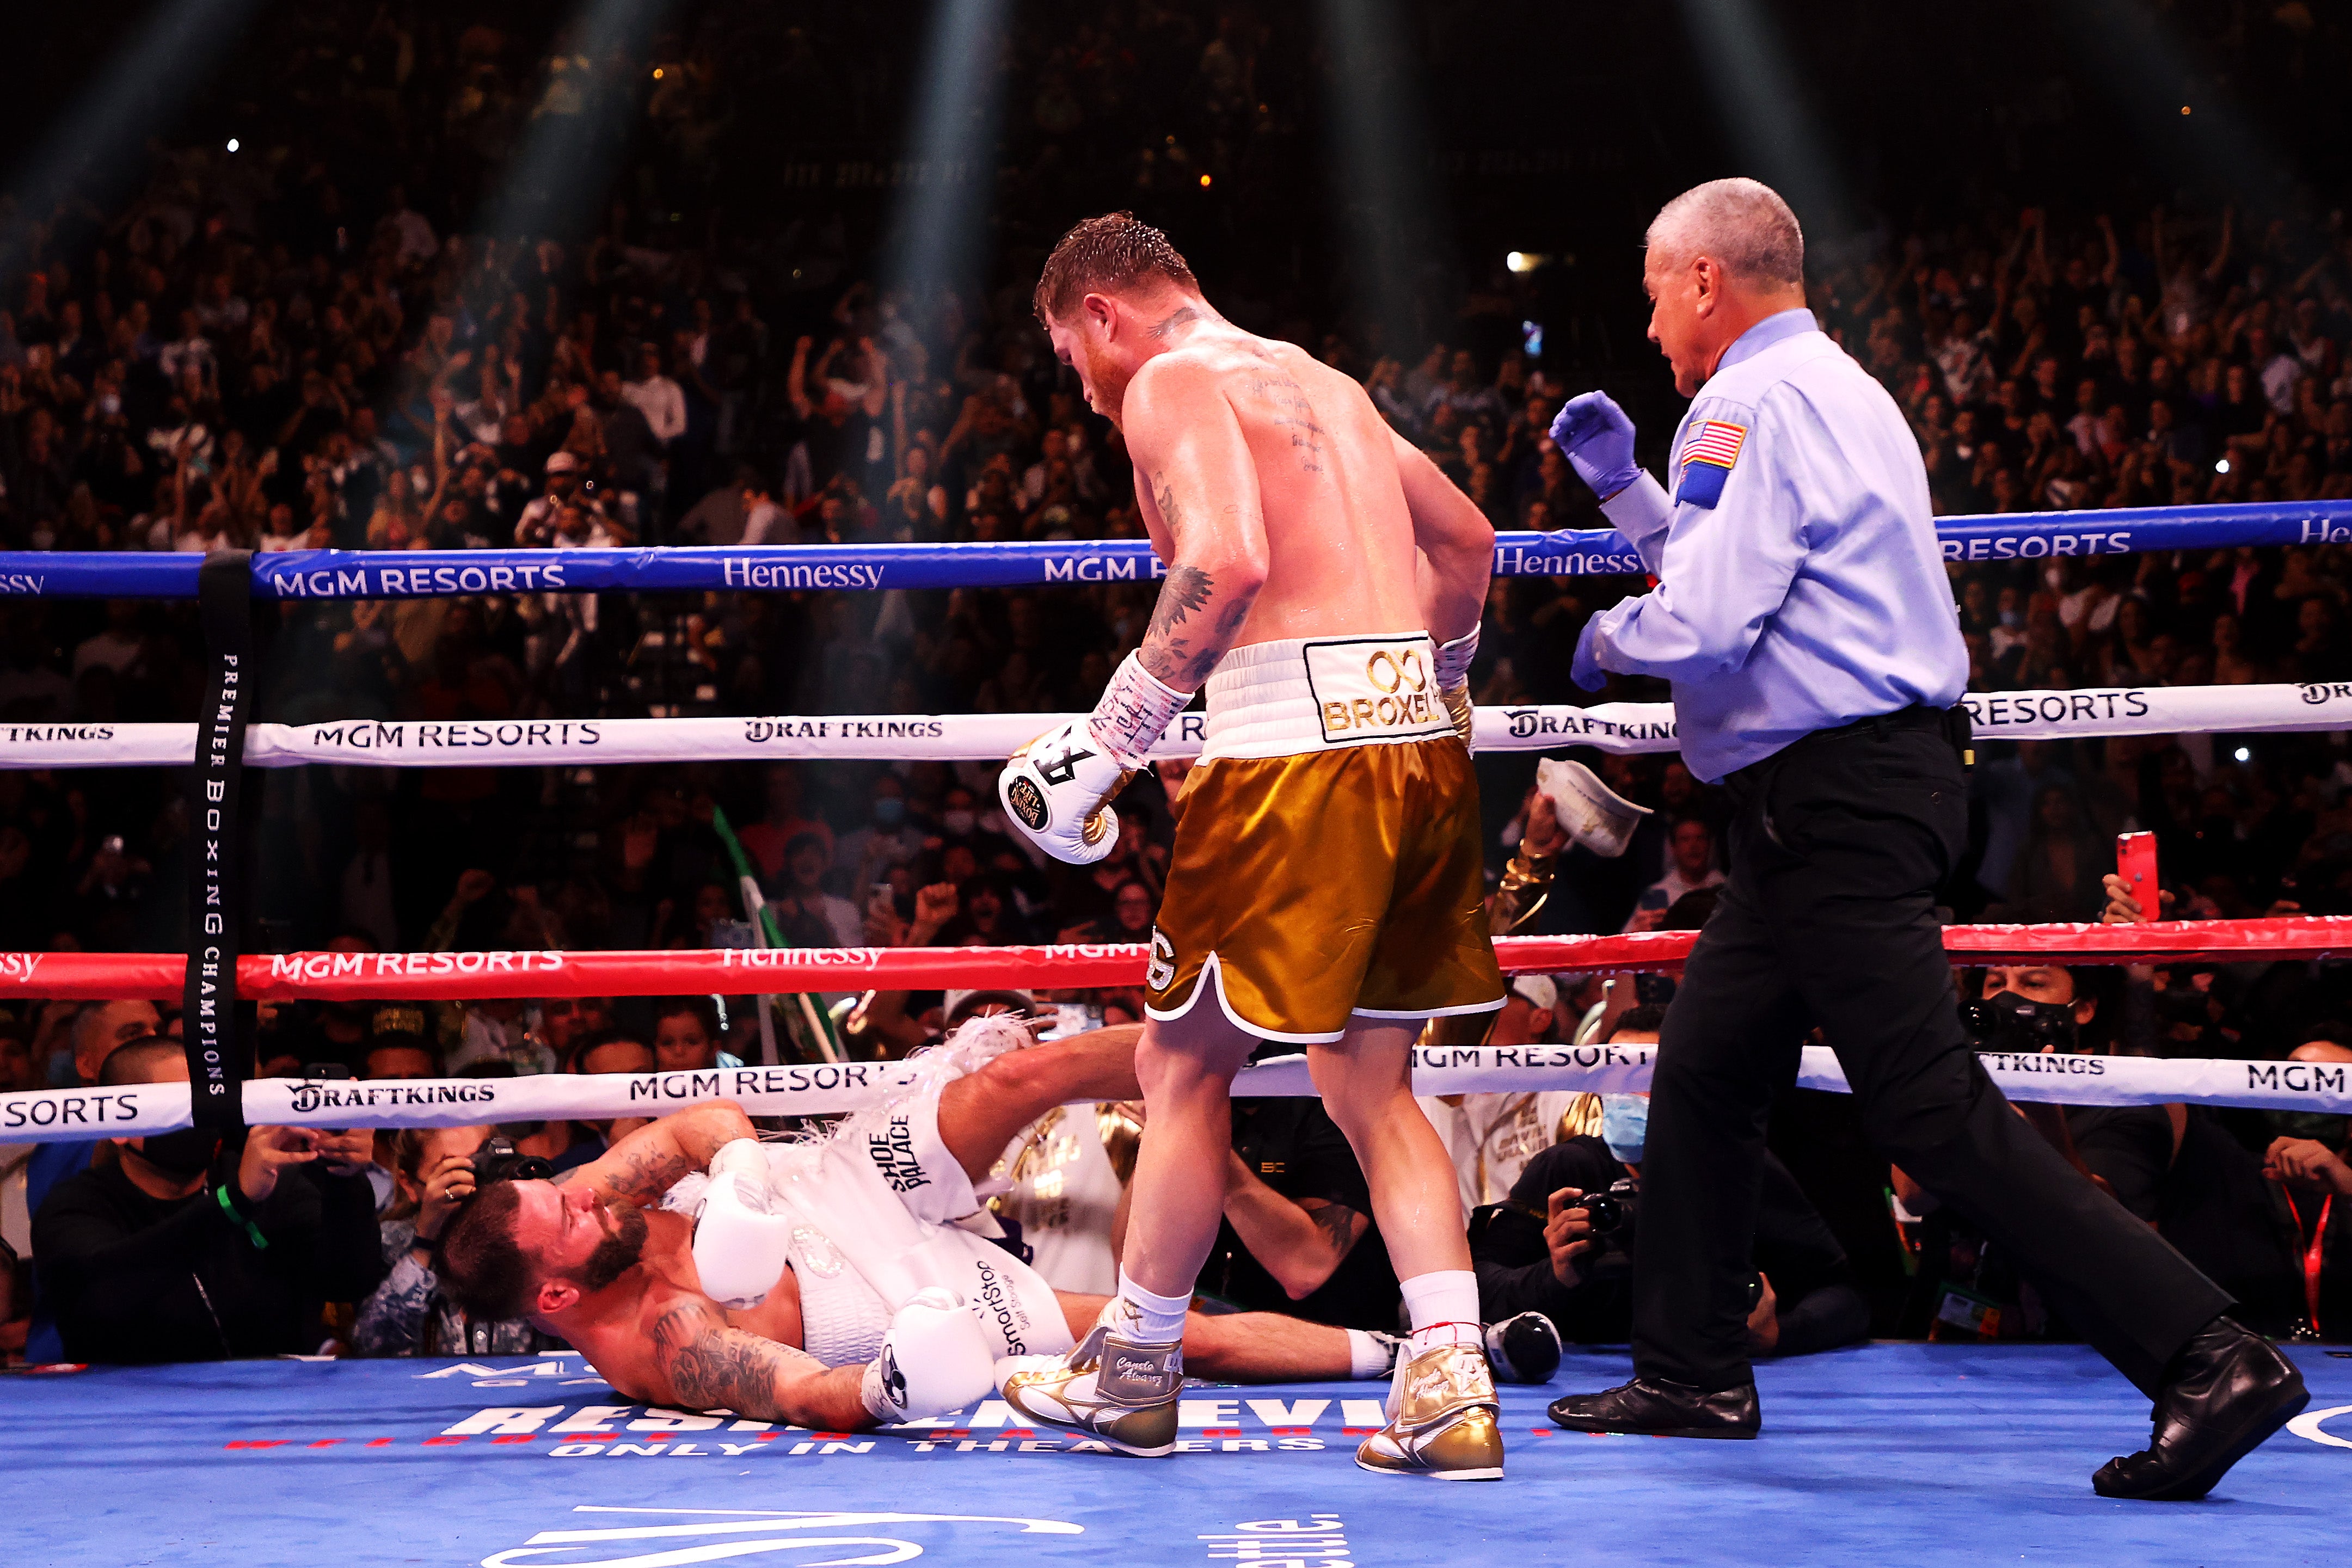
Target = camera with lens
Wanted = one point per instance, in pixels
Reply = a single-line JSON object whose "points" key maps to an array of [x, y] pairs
{"points": [[2009, 1022], [499, 1160], [1611, 1214]]}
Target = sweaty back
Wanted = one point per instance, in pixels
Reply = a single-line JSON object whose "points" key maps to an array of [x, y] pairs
{"points": [[1340, 540]]}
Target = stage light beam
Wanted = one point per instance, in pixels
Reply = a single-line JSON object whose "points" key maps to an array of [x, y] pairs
{"points": [[1389, 210], [97, 144], [938, 225], [1775, 134], [571, 145]]}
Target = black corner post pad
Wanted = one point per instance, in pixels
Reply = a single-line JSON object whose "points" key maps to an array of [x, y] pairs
{"points": [[217, 1067]]}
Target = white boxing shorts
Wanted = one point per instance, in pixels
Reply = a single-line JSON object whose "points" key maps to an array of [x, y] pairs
{"points": [[878, 1203]]}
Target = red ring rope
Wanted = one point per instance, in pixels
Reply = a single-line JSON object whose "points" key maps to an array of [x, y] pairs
{"points": [[383, 977]]}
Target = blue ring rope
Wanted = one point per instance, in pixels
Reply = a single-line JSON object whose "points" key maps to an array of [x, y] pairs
{"points": [[1573, 552]]}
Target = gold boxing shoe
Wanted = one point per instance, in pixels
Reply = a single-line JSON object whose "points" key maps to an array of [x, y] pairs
{"points": [[1442, 1411], [1118, 1390]]}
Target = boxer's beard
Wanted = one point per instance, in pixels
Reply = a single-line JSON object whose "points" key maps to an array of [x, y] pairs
{"points": [[617, 1253], [1109, 381]]}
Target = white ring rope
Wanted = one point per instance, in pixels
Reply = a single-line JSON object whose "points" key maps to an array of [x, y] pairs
{"points": [[983, 737], [822, 1089]]}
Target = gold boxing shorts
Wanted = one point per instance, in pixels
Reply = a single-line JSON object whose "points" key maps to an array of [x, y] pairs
{"points": [[1326, 855]]}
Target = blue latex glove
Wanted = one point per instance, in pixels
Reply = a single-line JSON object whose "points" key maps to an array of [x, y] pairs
{"points": [[1586, 672], [1597, 439]]}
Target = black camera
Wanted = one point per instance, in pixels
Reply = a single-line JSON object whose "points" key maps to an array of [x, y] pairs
{"points": [[1611, 1214], [498, 1160], [2009, 1022]]}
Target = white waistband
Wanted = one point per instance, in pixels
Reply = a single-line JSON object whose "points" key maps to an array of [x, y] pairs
{"points": [[1324, 693]]}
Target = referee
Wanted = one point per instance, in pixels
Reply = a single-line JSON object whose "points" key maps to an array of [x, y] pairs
{"points": [[1803, 615]]}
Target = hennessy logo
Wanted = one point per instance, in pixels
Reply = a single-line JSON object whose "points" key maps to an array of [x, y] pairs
{"points": [[1063, 769]]}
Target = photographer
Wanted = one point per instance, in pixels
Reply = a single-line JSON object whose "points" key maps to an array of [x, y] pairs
{"points": [[174, 1249], [1542, 1250], [408, 1314]]}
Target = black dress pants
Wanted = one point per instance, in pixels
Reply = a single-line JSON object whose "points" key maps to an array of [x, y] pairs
{"points": [[1837, 844]]}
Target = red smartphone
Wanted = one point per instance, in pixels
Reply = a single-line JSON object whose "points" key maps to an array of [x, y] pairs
{"points": [[2135, 863]]}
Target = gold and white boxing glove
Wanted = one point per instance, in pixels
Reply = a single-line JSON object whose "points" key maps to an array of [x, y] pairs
{"points": [[1057, 789], [1454, 662]]}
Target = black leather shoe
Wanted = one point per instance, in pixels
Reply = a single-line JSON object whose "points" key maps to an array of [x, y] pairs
{"points": [[1651, 1407], [2228, 1389]]}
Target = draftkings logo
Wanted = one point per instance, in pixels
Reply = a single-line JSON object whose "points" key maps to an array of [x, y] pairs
{"points": [[654, 1537]]}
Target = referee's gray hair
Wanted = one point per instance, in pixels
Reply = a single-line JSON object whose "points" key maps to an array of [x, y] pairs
{"points": [[1743, 224]]}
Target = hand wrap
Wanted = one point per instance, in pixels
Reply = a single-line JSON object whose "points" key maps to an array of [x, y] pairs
{"points": [[1454, 662], [1057, 789]]}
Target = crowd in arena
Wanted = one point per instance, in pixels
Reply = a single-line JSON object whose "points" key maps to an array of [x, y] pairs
{"points": [[295, 346]]}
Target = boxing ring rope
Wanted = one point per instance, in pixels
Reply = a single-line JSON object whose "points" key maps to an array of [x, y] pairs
{"points": [[830, 1088], [812, 1090], [728, 971], [224, 741], [1623, 728], [824, 1088], [1569, 552]]}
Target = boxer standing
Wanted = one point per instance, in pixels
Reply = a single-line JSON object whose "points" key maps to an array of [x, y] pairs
{"points": [[1803, 614], [1325, 582]]}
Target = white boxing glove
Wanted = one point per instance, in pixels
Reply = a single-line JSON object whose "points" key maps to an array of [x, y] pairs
{"points": [[739, 1248], [935, 1358], [1057, 789]]}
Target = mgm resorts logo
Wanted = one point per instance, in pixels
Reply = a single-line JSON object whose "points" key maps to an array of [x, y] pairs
{"points": [[651, 1537]]}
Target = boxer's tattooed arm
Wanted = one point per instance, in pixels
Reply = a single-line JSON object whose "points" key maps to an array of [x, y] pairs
{"points": [[1191, 625], [708, 1363], [649, 1162], [637, 1173], [1336, 1221]]}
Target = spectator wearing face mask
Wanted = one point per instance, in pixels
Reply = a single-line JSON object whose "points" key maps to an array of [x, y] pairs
{"points": [[961, 825], [178, 1250], [885, 840], [1537, 1251], [2173, 1167]]}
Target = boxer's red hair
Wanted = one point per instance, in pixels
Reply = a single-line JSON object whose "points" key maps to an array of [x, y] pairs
{"points": [[1107, 255]]}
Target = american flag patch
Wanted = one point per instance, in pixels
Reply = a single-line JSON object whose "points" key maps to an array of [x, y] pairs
{"points": [[1715, 442]]}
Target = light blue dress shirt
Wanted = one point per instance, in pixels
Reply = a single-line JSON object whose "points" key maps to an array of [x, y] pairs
{"points": [[1801, 586]]}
